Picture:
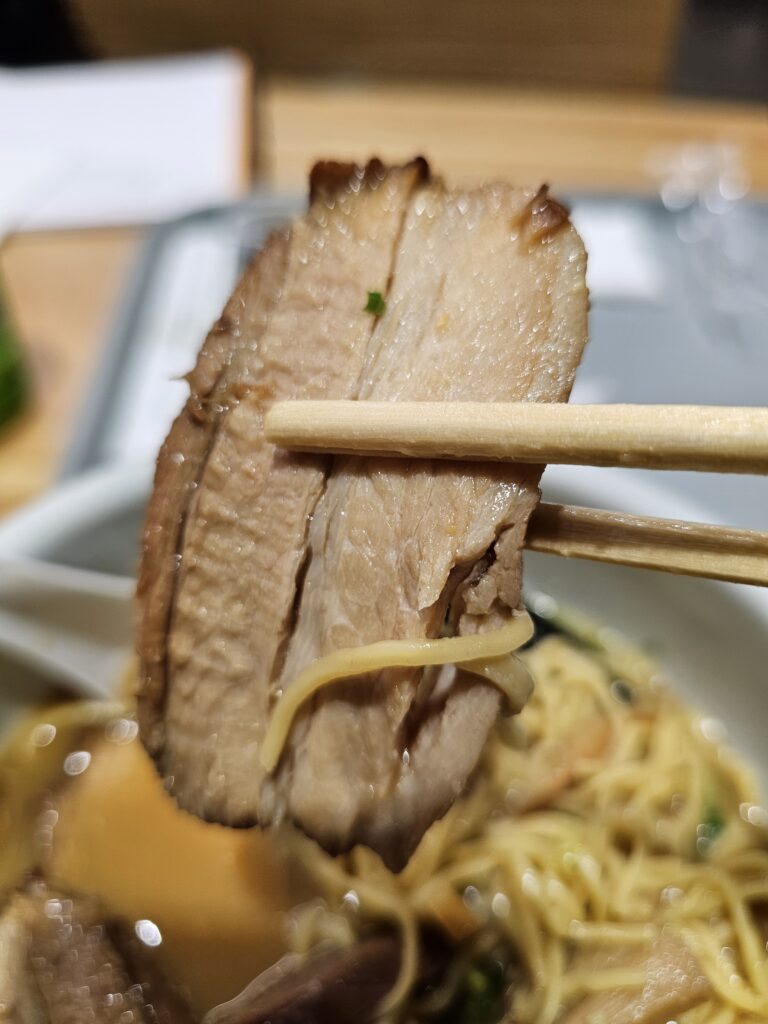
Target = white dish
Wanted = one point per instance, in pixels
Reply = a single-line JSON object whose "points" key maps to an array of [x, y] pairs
{"points": [[712, 637]]}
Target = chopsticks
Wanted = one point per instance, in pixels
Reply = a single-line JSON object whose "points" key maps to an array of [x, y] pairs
{"points": [[667, 545], [703, 438]]}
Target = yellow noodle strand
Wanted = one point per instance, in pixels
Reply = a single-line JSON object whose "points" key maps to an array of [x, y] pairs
{"points": [[481, 654]]}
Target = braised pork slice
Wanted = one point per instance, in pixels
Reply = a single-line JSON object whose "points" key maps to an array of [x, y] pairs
{"points": [[343, 986], [267, 560], [488, 302], [63, 962], [224, 369], [219, 591], [674, 983]]}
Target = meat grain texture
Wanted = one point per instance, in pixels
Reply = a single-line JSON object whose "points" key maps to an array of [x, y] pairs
{"points": [[63, 961], [258, 561]]}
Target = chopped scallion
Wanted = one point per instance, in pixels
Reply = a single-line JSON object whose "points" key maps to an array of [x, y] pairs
{"points": [[376, 304]]}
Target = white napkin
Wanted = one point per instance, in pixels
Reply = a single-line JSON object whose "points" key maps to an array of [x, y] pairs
{"points": [[121, 141]]}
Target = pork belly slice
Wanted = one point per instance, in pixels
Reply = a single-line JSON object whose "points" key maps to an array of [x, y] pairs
{"points": [[231, 511], [488, 303], [223, 372], [63, 962], [344, 986], [257, 561], [674, 983]]}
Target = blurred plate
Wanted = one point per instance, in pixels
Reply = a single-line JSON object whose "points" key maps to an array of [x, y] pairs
{"points": [[712, 637]]}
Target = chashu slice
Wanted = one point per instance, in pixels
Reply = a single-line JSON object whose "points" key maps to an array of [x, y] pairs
{"points": [[226, 533], [223, 371], [488, 303], [63, 962], [485, 300]]}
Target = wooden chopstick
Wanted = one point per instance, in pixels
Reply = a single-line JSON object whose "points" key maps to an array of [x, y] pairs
{"points": [[704, 438], [669, 545]]}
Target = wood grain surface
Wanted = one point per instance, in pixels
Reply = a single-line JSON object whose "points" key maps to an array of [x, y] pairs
{"points": [[630, 44], [666, 545], [61, 289], [704, 438], [570, 140]]}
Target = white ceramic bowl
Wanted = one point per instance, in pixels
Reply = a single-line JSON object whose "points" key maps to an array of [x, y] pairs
{"points": [[712, 638]]}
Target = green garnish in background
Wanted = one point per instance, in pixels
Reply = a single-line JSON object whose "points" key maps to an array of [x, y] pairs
{"points": [[480, 997], [13, 376], [375, 304], [710, 827]]}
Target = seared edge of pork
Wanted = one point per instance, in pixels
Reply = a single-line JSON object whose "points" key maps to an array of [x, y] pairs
{"points": [[216, 468], [215, 383]]}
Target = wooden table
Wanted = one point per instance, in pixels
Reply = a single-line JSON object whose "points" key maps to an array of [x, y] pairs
{"points": [[62, 286]]}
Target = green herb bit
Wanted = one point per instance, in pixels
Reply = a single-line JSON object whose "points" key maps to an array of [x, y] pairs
{"points": [[13, 376], [480, 999], [376, 304], [711, 826]]}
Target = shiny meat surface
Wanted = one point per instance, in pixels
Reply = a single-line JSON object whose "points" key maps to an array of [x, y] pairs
{"points": [[225, 367], [257, 561], [61, 962], [675, 983], [478, 310], [244, 534]]}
